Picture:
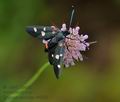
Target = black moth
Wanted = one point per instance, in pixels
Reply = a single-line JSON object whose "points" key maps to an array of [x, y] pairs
{"points": [[53, 38]]}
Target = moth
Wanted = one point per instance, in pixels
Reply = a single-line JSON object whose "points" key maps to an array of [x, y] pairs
{"points": [[53, 39]]}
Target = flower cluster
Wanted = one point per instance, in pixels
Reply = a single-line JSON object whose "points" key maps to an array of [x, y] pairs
{"points": [[74, 44]]}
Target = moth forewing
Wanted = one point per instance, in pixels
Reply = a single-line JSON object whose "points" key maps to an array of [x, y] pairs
{"points": [[42, 32]]}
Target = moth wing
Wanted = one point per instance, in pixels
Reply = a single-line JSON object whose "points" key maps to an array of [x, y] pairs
{"points": [[51, 53], [42, 32], [58, 58]]}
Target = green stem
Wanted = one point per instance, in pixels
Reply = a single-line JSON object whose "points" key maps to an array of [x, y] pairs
{"points": [[27, 84]]}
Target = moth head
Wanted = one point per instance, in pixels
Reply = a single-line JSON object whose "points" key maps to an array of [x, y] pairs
{"points": [[54, 29]]}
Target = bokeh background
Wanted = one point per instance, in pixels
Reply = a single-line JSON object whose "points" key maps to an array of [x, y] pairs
{"points": [[96, 79]]}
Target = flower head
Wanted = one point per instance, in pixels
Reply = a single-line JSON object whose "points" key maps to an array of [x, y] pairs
{"points": [[74, 45]]}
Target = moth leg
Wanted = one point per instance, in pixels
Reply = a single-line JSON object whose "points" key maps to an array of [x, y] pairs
{"points": [[46, 45]]}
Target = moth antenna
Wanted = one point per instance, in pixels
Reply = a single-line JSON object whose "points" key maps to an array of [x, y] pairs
{"points": [[72, 14], [78, 16]]}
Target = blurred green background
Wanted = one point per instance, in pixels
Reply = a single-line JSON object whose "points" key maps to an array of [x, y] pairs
{"points": [[96, 79]]}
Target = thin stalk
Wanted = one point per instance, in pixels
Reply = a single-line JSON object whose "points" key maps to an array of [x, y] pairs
{"points": [[12, 96]]}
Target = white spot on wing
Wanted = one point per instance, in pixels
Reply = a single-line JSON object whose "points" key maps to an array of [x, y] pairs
{"points": [[44, 28], [61, 55], [43, 33], [35, 29], [58, 66], [52, 55], [60, 44], [53, 32], [57, 56]]}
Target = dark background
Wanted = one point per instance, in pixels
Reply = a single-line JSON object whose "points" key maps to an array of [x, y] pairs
{"points": [[96, 79]]}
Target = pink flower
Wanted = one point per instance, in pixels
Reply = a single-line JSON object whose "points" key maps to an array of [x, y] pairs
{"points": [[74, 45]]}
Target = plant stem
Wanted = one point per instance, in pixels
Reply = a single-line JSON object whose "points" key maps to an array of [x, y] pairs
{"points": [[27, 84]]}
